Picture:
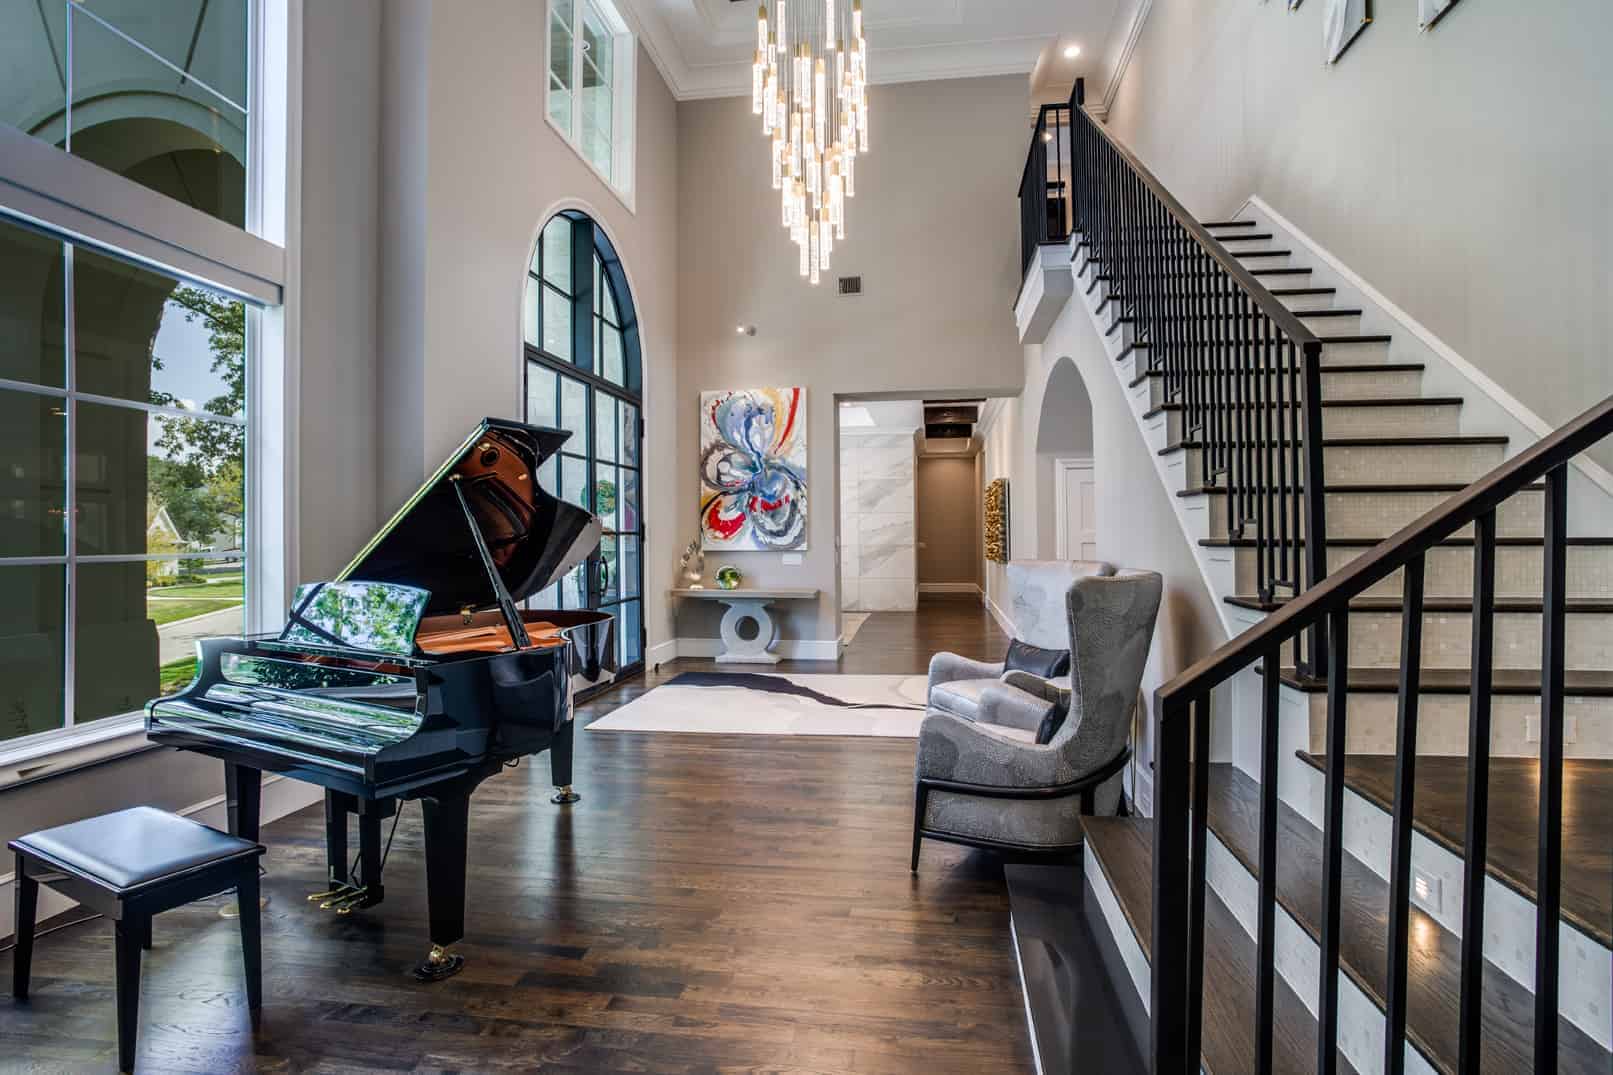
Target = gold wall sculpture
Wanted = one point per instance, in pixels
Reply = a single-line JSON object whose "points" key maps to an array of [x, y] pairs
{"points": [[997, 521]]}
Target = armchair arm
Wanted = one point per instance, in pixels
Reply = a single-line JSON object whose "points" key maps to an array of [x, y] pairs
{"points": [[1007, 706], [953, 749], [1045, 689], [948, 667]]}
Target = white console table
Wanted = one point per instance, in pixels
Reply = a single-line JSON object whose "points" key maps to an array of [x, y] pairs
{"points": [[747, 604]]}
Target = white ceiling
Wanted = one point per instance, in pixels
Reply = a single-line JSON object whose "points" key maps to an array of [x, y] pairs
{"points": [[704, 47]]}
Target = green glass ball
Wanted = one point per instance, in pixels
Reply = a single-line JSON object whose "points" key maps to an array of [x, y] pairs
{"points": [[728, 577]]}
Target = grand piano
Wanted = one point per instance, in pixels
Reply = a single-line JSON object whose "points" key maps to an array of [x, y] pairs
{"points": [[412, 675]]}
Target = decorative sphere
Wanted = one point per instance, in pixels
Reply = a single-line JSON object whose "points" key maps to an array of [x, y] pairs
{"points": [[728, 577]]}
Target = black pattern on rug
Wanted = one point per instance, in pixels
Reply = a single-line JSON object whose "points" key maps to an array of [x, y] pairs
{"points": [[756, 681]]}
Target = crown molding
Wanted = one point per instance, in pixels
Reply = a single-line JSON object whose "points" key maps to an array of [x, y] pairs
{"points": [[1122, 58], [920, 63]]}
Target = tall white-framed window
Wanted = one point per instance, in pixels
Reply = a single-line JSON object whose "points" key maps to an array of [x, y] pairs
{"points": [[144, 480], [589, 90]]}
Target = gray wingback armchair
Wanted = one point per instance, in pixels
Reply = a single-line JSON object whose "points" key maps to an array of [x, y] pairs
{"points": [[1037, 595], [983, 782]]}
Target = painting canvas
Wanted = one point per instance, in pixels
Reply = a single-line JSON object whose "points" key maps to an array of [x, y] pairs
{"points": [[1431, 11], [753, 469]]}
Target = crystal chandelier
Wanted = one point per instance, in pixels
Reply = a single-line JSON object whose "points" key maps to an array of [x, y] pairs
{"points": [[817, 126]]}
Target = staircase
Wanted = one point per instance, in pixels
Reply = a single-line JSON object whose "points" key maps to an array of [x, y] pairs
{"points": [[1361, 882]]}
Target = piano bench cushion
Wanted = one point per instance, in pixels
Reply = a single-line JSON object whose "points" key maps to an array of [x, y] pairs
{"points": [[133, 847]]}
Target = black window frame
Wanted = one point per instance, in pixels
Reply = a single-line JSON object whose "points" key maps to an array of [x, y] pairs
{"points": [[584, 366]]}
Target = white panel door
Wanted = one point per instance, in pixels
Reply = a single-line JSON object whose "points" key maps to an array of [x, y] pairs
{"points": [[1076, 503]]}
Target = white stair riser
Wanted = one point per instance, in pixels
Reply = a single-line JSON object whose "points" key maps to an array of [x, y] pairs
{"points": [[1256, 259], [1335, 386], [1332, 324], [1448, 641], [1304, 302], [1442, 721], [1378, 515], [1397, 420], [1449, 571], [1391, 464]]}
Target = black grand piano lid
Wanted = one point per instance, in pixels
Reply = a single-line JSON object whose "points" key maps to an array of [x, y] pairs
{"points": [[531, 536]]}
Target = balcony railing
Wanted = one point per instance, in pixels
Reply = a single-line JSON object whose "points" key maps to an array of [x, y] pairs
{"points": [[1044, 187]]}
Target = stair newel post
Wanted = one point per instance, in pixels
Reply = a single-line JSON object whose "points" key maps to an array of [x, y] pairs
{"points": [[1174, 1046], [1198, 883], [1411, 652], [1548, 887], [1266, 911], [1470, 1004], [1327, 1004], [1314, 498]]}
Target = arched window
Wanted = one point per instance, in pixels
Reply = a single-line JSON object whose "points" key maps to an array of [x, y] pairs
{"points": [[584, 374]]}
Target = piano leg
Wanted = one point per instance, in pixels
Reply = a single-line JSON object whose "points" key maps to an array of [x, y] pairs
{"points": [[336, 807], [243, 795], [447, 820], [560, 764]]}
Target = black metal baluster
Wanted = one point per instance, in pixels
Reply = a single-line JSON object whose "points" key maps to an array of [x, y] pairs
{"points": [[1314, 496], [1470, 1018], [1263, 460], [1197, 881], [1327, 1005], [1168, 987], [1553, 661], [1266, 917], [1411, 657]]}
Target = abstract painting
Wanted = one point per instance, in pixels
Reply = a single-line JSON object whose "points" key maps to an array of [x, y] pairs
{"points": [[1342, 22], [753, 469], [996, 505]]}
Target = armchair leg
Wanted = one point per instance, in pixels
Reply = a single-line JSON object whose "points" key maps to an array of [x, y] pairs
{"points": [[921, 796]]}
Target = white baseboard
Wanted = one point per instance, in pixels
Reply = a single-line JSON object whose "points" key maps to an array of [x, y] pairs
{"points": [[661, 653], [998, 614], [281, 796], [949, 587], [793, 649]]}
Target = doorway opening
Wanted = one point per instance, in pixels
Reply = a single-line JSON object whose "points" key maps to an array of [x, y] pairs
{"points": [[1066, 485]]}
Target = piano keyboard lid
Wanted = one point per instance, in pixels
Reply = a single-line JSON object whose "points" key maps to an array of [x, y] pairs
{"points": [[481, 532]]}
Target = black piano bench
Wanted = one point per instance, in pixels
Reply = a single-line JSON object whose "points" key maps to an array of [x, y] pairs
{"points": [[129, 866]]}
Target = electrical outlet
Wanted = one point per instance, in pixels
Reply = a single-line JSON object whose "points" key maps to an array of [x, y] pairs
{"points": [[1427, 890]]}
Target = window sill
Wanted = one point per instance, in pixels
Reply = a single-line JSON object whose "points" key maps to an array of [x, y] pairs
{"points": [[623, 196], [49, 753]]}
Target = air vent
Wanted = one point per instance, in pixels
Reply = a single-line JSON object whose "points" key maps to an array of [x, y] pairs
{"points": [[851, 285]]}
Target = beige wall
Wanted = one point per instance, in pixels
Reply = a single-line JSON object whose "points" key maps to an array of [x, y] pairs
{"points": [[1464, 172], [484, 171], [933, 231], [948, 510]]}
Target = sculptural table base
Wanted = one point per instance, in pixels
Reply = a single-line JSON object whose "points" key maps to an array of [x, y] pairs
{"points": [[740, 650]]}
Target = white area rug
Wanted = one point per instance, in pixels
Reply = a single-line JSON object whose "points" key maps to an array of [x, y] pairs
{"points": [[771, 703], [850, 624]]}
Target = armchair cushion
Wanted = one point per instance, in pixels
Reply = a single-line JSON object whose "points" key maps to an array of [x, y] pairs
{"points": [[1047, 663], [960, 697]]}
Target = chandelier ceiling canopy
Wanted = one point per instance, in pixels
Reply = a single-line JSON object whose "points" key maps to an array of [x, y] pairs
{"points": [[809, 83]]}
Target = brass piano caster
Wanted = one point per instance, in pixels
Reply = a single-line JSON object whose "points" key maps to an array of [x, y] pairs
{"points": [[440, 963], [565, 796]]}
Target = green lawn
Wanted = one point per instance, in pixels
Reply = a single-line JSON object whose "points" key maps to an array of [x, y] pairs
{"points": [[225, 586], [176, 676], [171, 609]]}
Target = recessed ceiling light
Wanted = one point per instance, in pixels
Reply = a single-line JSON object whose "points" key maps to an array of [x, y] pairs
{"points": [[1071, 51], [1047, 136]]}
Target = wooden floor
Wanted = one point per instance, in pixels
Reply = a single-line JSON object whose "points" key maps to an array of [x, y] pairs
{"points": [[713, 904]]}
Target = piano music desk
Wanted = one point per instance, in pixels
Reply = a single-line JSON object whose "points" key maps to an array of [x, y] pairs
{"points": [[747, 604]]}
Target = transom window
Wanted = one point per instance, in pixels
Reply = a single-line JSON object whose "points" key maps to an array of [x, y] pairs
{"points": [[583, 374], [590, 86]]}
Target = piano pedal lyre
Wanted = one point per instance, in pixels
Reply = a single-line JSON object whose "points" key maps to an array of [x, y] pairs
{"points": [[439, 963], [322, 897]]}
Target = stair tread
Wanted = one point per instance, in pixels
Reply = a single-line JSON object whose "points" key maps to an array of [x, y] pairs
{"points": [[1229, 224], [1376, 442], [1291, 292], [1583, 605], [1512, 849], [1388, 487], [1327, 370], [1433, 952], [1291, 271], [1124, 849], [1526, 681]]}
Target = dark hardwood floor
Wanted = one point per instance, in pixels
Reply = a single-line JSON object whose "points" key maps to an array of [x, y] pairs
{"points": [[713, 904]]}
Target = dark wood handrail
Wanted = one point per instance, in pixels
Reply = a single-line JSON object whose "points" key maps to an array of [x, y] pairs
{"points": [[1335, 592], [1269, 304]]}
